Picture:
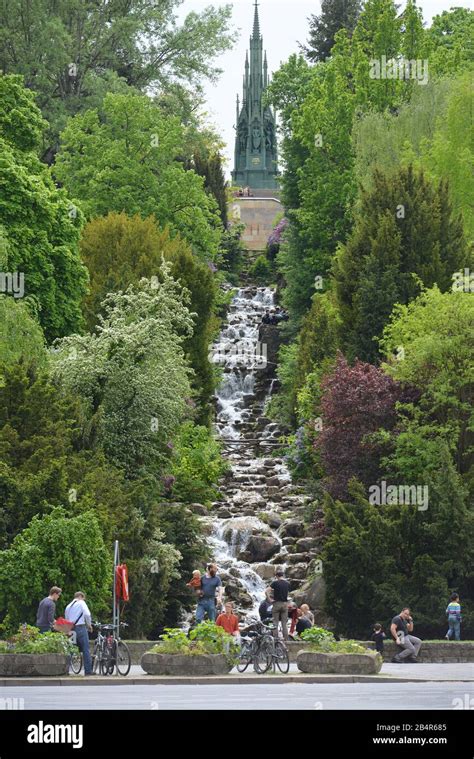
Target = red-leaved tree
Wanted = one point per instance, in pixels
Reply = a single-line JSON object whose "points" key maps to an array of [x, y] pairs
{"points": [[357, 401]]}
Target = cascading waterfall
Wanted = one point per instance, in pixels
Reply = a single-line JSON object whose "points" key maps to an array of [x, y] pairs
{"points": [[241, 425]]}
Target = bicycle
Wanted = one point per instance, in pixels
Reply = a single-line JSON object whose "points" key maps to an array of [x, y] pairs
{"points": [[110, 652], [276, 651], [253, 650], [75, 659]]}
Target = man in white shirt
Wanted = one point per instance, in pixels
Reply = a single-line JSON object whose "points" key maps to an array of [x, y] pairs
{"points": [[78, 612]]}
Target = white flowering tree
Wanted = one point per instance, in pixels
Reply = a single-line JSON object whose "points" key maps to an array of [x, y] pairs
{"points": [[131, 373]]}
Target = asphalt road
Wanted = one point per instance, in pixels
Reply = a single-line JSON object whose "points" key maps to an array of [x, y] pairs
{"points": [[294, 696]]}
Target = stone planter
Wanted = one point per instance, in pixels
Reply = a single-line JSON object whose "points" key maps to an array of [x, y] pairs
{"points": [[320, 663], [33, 665], [185, 664]]}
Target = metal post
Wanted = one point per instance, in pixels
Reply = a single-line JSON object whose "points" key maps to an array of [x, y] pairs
{"points": [[116, 609]]}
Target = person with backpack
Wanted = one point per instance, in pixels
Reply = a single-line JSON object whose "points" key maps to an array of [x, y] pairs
{"points": [[453, 612], [78, 613]]}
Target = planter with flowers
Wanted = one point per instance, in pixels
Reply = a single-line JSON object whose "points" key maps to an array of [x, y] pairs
{"points": [[207, 650], [324, 655], [30, 653]]}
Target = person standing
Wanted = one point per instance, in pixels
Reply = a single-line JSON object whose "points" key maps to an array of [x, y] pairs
{"points": [[378, 637], [207, 603], [47, 610], [78, 613], [280, 588], [453, 611], [401, 629]]}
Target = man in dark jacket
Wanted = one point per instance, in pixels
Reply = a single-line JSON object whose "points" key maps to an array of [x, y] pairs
{"points": [[47, 610]]}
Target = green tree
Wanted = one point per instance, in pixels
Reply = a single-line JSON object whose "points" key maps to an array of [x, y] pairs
{"points": [[40, 226], [210, 167], [435, 333], [415, 556], [125, 158], [119, 250], [20, 334], [196, 464], [432, 131], [131, 374], [54, 550], [450, 36], [430, 241], [101, 47], [335, 15], [318, 182]]}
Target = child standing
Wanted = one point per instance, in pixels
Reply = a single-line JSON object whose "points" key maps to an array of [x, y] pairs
{"points": [[453, 611], [378, 636]]}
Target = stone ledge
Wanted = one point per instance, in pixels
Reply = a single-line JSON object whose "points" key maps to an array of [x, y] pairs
{"points": [[318, 662], [431, 652], [185, 665], [33, 665]]}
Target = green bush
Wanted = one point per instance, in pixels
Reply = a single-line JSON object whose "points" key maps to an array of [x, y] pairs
{"points": [[29, 640], [317, 636], [322, 640], [260, 270], [206, 638], [196, 464]]}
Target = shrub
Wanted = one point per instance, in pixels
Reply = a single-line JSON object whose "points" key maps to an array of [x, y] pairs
{"points": [[317, 636], [196, 464], [29, 640], [260, 270], [206, 638]]}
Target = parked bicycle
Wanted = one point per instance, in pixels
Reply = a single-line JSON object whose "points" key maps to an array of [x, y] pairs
{"points": [[75, 659], [276, 652], [110, 653], [259, 647]]}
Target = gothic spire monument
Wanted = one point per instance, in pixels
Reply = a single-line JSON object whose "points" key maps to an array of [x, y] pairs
{"points": [[255, 162]]}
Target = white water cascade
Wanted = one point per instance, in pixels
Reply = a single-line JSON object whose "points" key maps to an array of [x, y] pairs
{"points": [[243, 535]]}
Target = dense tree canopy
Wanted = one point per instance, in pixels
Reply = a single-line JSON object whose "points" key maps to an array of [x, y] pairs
{"points": [[72, 53], [335, 15], [39, 225], [124, 157], [404, 226]]}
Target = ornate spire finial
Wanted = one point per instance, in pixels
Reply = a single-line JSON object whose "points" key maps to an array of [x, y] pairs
{"points": [[256, 22]]}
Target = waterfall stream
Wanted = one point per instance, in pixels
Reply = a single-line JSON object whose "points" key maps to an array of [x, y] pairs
{"points": [[243, 536]]}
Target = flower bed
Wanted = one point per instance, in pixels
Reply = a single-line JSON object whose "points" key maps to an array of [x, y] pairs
{"points": [[32, 654], [324, 655], [208, 650]]}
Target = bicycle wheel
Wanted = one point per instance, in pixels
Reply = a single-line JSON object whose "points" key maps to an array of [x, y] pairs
{"points": [[245, 656], [96, 659], [281, 657], [123, 659], [75, 662], [263, 657]]}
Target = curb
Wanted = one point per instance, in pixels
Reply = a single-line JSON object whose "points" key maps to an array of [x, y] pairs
{"points": [[211, 680]]}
